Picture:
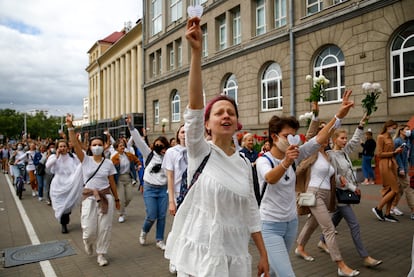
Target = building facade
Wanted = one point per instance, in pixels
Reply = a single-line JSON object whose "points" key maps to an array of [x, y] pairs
{"points": [[260, 51], [115, 79]]}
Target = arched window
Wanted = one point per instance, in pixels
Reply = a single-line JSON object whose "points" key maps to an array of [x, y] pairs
{"points": [[271, 88], [175, 107], [402, 62], [231, 87], [330, 63]]}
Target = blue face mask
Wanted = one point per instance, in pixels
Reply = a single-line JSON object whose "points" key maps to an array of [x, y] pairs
{"points": [[407, 133]]}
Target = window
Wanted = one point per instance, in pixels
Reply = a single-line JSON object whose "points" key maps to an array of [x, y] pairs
{"points": [[153, 65], [231, 87], [175, 107], [402, 62], [159, 57], [236, 26], [176, 10], [171, 58], [198, 2], [156, 112], [179, 53], [313, 6], [260, 17], [271, 88], [280, 13], [222, 32], [156, 16], [205, 41], [330, 63]]}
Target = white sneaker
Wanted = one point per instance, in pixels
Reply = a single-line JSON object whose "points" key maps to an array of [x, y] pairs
{"points": [[142, 238], [396, 211], [160, 244], [40, 199], [121, 219], [172, 268], [102, 261], [33, 193]]}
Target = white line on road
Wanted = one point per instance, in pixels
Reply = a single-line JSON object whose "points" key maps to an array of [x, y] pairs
{"points": [[44, 265]]}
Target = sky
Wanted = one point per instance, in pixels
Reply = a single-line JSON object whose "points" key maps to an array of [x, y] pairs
{"points": [[43, 50]]}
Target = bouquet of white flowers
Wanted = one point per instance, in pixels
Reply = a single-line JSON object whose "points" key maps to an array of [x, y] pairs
{"points": [[317, 92], [372, 93]]}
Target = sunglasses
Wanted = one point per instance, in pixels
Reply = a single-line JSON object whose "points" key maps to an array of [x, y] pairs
{"points": [[160, 145]]}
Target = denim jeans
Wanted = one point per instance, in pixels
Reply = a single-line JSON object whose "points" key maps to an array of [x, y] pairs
{"points": [[41, 184], [156, 204], [367, 168], [279, 238]]}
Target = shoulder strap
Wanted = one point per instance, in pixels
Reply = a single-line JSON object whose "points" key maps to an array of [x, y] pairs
{"points": [[149, 158], [94, 172], [199, 170], [265, 183]]}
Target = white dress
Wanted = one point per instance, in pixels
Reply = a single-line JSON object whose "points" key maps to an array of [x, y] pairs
{"points": [[212, 228]]}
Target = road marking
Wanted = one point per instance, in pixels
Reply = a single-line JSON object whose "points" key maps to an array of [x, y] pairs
{"points": [[44, 265]]}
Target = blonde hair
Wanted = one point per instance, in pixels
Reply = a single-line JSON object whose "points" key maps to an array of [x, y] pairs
{"points": [[245, 137], [338, 132]]}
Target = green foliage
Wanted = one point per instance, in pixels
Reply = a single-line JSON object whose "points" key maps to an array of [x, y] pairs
{"points": [[369, 102], [38, 125]]}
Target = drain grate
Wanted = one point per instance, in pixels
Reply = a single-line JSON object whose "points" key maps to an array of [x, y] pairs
{"points": [[35, 253]]}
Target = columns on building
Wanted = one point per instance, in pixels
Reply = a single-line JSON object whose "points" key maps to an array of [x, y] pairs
{"points": [[128, 82], [134, 80], [117, 89]]}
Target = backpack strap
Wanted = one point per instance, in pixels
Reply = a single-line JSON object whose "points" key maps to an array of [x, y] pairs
{"points": [[265, 183], [199, 170]]}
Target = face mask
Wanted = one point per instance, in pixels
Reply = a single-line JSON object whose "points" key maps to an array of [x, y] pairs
{"points": [[97, 150], [19, 147], [391, 132], [282, 144], [408, 133], [158, 148]]}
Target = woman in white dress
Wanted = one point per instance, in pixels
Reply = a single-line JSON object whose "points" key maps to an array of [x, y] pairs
{"points": [[212, 228], [99, 195], [63, 165]]}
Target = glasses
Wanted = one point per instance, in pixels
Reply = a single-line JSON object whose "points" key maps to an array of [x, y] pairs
{"points": [[160, 145]]}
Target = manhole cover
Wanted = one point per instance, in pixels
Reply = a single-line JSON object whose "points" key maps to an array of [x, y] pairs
{"points": [[35, 253]]}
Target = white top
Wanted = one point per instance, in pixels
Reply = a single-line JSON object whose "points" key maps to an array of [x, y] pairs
{"points": [[100, 181], [29, 159], [321, 172], [279, 200], [62, 183], [175, 159], [212, 228]]}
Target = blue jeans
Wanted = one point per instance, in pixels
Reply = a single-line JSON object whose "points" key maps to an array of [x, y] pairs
{"points": [[156, 205], [40, 184], [279, 238], [367, 168]]}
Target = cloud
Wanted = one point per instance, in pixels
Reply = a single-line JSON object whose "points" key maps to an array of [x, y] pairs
{"points": [[44, 49]]}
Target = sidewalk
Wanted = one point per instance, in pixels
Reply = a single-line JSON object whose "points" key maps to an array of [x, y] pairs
{"points": [[390, 242]]}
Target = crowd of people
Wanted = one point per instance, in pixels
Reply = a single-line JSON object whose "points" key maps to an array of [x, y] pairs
{"points": [[220, 213]]}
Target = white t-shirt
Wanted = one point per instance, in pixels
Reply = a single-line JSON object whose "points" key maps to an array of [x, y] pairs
{"points": [[175, 159], [321, 172], [100, 181]]}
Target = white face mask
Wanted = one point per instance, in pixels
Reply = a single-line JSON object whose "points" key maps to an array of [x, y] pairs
{"points": [[19, 147], [282, 144], [407, 133], [97, 150]]}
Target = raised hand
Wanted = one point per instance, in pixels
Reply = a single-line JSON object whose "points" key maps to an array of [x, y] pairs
{"points": [[194, 34], [346, 104]]}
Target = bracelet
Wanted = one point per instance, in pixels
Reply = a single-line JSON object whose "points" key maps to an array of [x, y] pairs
{"points": [[284, 167], [117, 200], [71, 129]]}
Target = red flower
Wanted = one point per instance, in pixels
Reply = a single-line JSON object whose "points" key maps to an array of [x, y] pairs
{"points": [[302, 138]]}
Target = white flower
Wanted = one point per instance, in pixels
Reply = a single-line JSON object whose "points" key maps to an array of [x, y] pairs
{"points": [[376, 87], [308, 77], [327, 82], [306, 116], [366, 86]]}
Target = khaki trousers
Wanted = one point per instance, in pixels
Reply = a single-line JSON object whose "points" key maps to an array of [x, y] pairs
{"points": [[124, 188], [320, 216]]}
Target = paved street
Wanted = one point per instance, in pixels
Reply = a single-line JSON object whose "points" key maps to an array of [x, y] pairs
{"points": [[390, 242]]}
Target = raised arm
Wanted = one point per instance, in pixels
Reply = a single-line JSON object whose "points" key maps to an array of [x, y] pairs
{"points": [[195, 86], [325, 133], [73, 138]]}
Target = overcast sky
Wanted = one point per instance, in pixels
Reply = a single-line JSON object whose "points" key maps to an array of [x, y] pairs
{"points": [[43, 49]]}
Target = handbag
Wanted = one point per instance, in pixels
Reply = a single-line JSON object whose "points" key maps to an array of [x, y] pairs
{"points": [[307, 199], [346, 196]]}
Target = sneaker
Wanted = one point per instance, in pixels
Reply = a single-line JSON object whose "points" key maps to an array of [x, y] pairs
{"points": [[323, 247], [160, 244], [378, 214], [88, 247], [396, 211], [142, 238], [412, 216], [33, 193], [102, 261], [390, 218], [40, 199], [121, 219], [172, 268], [48, 203]]}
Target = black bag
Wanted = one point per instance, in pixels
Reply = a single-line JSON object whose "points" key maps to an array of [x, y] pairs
{"points": [[347, 196], [40, 169]]}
